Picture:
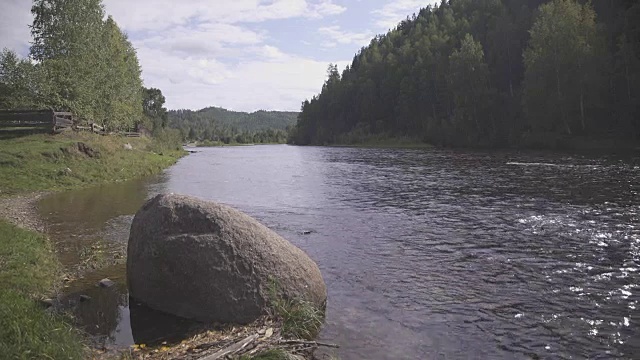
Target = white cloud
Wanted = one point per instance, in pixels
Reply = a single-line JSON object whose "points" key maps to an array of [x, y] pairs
{"points": [[325, 8], [204, 39], [15, 17], [205, 52], [395, 11], [207, 57], [337, 36], [202, 55], [271, 53], [276, 81], [162, 14]]}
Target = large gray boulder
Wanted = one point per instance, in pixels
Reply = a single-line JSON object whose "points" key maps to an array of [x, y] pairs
{"points": [[209, 262]]}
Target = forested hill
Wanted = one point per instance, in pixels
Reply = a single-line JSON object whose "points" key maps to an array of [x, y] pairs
{"points": [[218, 124], [489, 73]]}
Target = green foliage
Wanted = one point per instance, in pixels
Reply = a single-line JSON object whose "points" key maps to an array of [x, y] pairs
{"points": [[242, 121], [230, 127], [561, 85], [300, 318], [470, 81], [153, 107], [488, 73], [18, 82], [81, 63], [120, 91], [166, 140], [66, 44], [28, 269]]}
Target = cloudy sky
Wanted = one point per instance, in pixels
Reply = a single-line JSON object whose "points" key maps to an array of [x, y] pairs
{"points": [[239, 54]]}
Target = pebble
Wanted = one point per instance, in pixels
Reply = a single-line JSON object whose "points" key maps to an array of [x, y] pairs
{"points": [[47, 302], [106, 283]]}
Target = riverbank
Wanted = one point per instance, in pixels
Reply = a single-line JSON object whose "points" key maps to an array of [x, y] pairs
{"points": [[573, 145], [270, 337], [390, 144], [73, 160], [21, 211], [379, 141], [29, 272], [31, 167], [208, 143], [578, 144]]}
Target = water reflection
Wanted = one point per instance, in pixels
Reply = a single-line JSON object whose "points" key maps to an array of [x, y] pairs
{"points": [[106, 309], [153, 327], [76, 219]]}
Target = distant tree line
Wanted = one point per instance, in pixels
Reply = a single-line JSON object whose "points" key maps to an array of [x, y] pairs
{"points": [[489, 73], [80, 62], [220, 125]]}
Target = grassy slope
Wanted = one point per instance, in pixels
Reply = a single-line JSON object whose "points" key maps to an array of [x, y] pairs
{"points": [[46, 162], [28, 266], [28, 270]]}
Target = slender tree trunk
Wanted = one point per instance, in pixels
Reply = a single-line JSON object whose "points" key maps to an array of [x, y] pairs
{"points": [[558, 83], [613, 90], [510, 71], [584, 127], [566, 124], [626, 67], [475, 117], [562, 109], [435, 91]]}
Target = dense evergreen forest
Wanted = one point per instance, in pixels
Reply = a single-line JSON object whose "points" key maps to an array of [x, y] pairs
{"points": [[81, 61], [490, 73], [221, 125]]}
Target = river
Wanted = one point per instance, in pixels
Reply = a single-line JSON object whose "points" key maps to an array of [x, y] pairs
{"points": [[427, 254]]}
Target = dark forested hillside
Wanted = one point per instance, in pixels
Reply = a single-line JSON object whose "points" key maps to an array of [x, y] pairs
{"points": [[489, 73], [218, 124]]}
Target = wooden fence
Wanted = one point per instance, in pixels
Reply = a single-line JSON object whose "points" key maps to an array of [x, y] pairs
{"points": [[47, 121], [34, 121]]}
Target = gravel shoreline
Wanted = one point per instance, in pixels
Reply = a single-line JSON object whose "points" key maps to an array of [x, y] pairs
{"points": [[22, 210]]}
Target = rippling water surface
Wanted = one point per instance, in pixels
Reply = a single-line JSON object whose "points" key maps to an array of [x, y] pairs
{"points": [[437, 254]]}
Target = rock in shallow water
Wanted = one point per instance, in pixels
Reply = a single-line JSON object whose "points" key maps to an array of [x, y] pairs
{"points": [[209, 262]]}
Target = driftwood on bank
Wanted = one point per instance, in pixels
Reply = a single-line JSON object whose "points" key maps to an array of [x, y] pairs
{"points": [[307, 343], [234, 349], [254, 344], [230, 343]]}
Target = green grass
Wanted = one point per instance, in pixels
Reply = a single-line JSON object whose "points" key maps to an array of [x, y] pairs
{"points": [[53, 162], [300, 318], [28, 270], [28, 266]]}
